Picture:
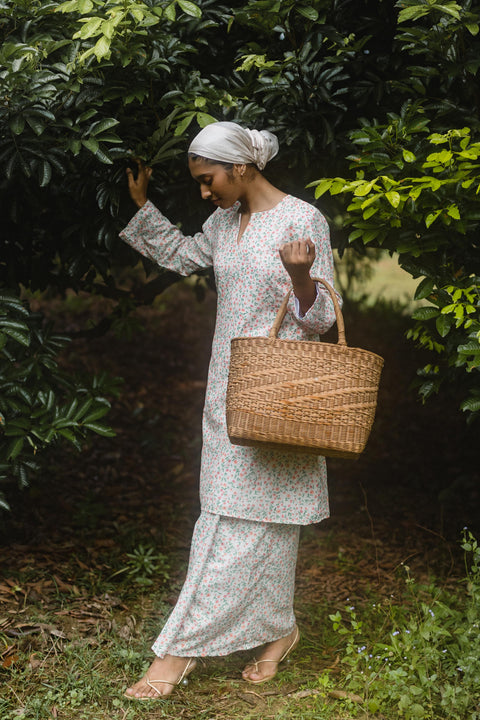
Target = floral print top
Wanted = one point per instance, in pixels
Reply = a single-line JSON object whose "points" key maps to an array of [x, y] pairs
{"points": [[244, 482]]}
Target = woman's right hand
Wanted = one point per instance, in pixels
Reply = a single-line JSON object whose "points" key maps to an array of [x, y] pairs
{"points": [[137, 186]]}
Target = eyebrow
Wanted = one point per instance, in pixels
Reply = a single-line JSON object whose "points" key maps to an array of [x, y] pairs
{"points": [[202, 176]]}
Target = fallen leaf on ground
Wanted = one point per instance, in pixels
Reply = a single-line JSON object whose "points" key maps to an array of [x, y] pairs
{"points": [[344, 695]]}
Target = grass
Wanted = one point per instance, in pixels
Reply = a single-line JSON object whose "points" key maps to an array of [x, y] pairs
{"points": [[72, 652], [78, 655], [377, 278]]}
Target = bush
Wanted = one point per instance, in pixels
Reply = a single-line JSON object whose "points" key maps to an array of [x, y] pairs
{"points": [[420, 659], [40, 404]]}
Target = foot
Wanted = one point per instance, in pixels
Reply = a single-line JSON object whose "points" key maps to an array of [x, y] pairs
{"points": [[161, 678], [265, 666]]}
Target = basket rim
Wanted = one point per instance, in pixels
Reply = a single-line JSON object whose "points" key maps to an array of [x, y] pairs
{"points": [[269, 341]]}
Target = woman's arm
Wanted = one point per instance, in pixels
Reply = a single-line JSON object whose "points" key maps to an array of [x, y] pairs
{"points": [[153, 235], [306, 258]]}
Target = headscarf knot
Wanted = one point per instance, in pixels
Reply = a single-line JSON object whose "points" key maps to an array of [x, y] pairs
{"points": [[230, 143]]}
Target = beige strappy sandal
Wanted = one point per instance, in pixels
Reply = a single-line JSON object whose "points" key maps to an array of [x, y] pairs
{"points": [[256, 663], [151, 683]]}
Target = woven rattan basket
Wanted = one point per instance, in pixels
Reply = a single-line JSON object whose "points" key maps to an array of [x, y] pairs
{"points": [[301, 395]]}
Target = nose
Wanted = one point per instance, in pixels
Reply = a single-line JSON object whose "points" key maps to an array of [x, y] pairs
{"points": [[205, 191]]}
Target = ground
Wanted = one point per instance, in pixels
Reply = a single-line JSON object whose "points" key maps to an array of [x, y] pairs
{"points": [[77, 547]]}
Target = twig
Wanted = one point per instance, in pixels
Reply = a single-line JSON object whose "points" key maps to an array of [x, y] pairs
{"points": [[432, 532]]}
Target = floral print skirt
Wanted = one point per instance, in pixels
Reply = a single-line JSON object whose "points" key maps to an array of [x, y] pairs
{"points": [[238, 593]]}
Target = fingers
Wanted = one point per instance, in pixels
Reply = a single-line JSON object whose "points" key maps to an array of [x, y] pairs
{"points": [[138, 185], [298, 251], [144, 172]]}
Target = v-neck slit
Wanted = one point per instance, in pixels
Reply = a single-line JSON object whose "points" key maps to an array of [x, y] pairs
{"points": [[240, 232]]}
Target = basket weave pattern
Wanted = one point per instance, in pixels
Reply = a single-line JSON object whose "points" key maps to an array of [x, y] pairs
{"points": [[300, 395]]}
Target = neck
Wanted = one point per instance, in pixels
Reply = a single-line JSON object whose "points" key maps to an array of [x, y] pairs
{"points": [[259, 195]]}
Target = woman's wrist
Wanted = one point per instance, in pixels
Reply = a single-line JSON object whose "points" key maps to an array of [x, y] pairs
{"points": [[305, 291]]}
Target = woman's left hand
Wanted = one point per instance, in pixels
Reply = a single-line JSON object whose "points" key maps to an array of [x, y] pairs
{"points": [[297, 257]]}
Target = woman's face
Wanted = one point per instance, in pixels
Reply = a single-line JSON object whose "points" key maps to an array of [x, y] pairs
{"points": [[220, 186]]}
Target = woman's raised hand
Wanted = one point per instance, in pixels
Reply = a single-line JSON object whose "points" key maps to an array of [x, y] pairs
{"points": [[137, 186], [297, 257]]}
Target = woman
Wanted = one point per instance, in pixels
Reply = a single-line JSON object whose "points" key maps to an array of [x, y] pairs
{"points": [[238, 593]]}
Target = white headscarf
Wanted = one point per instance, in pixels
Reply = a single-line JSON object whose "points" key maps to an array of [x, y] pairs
{"points": [[230, 143]]}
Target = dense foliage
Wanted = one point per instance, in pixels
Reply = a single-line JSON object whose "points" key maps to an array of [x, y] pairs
{"points": [[415, 189], [86, 84]]}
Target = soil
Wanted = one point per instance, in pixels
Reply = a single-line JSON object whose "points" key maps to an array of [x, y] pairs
{"points": [[404, 502]]}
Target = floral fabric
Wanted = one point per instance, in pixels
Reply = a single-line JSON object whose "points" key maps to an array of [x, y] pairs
{"points": [[238, 593], [243, 482]]}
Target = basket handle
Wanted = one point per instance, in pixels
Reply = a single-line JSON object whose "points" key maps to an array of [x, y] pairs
{"points": [[282, 311]]}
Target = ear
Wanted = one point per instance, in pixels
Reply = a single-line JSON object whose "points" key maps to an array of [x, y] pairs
{"points": [[239, 170]]}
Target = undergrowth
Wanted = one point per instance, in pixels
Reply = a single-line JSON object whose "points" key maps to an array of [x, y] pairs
{"points": [[416, 658], [420, 659]]}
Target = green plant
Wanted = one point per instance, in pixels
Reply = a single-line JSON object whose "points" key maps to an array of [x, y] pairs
{"points": [[421, 658], [143, 563], [39, 403], [423, 203]]}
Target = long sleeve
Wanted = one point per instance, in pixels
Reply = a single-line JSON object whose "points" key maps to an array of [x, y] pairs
{"points": [[157, 238], [321, 315]]}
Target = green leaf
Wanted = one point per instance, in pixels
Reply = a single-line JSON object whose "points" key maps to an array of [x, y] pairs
{"points": [[91, 144], [309, 12], [472, 404], [97, 414], [444, 324], [431, 217], [100, 429], [170, 13], [322, 187], [89, 29], [15, 448], [101, 125], [17, 124], [412, 13], [102, 48], [44, 173], [183, 124], [425, 313], [68, 435], [364, 188], [190, 8], [20, 337], [470, 348], [393, 198], [205, 119], [450, 9], [454, 212], [369, 211], [408, 156], [424, 289]]}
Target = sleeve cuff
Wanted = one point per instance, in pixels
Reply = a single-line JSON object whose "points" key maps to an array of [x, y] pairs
{"points": [[296, 302]]}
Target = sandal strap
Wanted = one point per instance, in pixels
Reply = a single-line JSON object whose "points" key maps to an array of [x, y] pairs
{"points": [[151, 683], [285, 654]]}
